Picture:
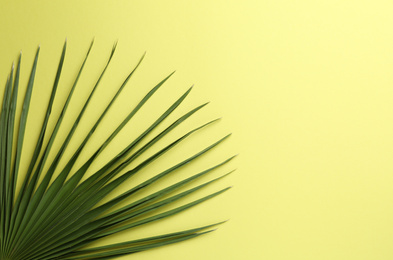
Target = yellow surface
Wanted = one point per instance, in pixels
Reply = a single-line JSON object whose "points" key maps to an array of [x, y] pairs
{"points": [[306, 87]]}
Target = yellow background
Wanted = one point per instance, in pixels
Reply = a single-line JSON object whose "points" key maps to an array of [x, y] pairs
{"points": [[306, 88]]}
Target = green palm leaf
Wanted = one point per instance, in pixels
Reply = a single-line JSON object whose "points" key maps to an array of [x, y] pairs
{"points": [[60, 216]]}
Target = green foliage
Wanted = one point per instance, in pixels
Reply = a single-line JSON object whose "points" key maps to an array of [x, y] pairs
{"points": [[59, 216]]}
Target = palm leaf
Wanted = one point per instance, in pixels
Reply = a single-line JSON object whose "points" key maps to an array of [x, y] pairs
{"points": [[60, 216]]}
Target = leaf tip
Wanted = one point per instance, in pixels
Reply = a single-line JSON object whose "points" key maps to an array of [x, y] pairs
{"points": [[205, 104], [232, 171], [115, 44], [228, 135]]}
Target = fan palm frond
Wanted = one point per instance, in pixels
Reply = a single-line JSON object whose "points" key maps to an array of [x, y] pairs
{"points": [[59, 216]]}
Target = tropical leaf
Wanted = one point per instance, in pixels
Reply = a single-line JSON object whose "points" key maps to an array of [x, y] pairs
{"points": [[59, 216]]}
